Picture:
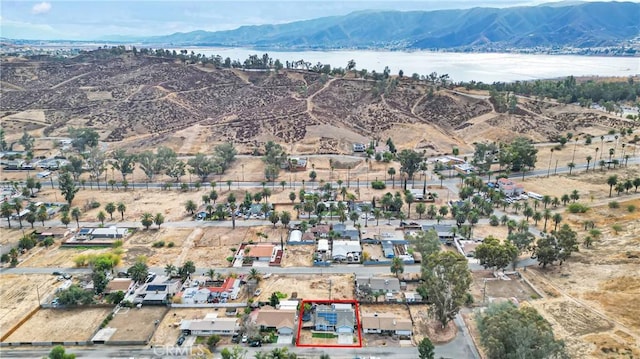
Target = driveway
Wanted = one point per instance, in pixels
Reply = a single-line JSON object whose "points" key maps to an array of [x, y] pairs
{"points": [[285, 339]]}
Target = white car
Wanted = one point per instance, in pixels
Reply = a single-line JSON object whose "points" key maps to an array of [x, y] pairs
{"points": [[257, 292]]}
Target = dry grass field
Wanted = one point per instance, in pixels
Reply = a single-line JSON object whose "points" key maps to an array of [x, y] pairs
{"points": [[59, 325]]}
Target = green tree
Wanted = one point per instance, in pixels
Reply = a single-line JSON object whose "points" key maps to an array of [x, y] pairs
{"points": [[410, 162], [121, 208], [493, 254], [190, 206], [158, 219], [397, 266], [67, 187], [101, 217], [212, 341], [7, 210], [612, 181], [409, 199], [426, 350], [285, 218], [274, 218], [138, 272], [556, 246], [224, 154], [446, 279], [274, 300], [26, 141], [147, 220], [110, 208], [421, 208], [58, 352], [83, 138], [100, 281], [123, 162], [75, 213], [187, 269], [507, 331], [203, 166]]}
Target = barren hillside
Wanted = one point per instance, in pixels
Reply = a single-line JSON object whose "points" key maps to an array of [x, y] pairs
{"points": [[145, 101]]}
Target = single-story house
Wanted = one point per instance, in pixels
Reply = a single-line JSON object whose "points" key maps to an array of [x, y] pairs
{"points": [[288, 305], [359, 147], [283, 321], [411, 297], [195, 295], [308, 237], [295, 236], [321, 230], [119, 285], [338, 317], [158, 291], [260, 252], [387, 285], [210, 325], [386, 323], [294, 164], [110, 232], [509, 187], [444, 231], [346, 251], [464, 168]]}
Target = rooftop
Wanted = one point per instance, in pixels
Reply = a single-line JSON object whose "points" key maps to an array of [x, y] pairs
{"points": [[260, 250], [277, 318]]}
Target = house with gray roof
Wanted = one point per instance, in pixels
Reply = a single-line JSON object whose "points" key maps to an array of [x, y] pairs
{"points": [[337, 317], [383, 284]]}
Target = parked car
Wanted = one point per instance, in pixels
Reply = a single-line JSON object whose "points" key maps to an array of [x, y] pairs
{"points": [[245, 338], [235, 339], [255, 343], [257, 292], [66, 275], [181, 340], [57, 273]]}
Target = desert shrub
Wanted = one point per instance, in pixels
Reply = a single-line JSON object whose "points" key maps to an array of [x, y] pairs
{"points": [[118, 243], [158, 244], [614, 204], [171, 244], [631, 208], [378, 185], [577, 208], [5, 258]]}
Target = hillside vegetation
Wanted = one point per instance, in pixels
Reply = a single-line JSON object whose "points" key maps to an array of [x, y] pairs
{"points": [[158, 100]]}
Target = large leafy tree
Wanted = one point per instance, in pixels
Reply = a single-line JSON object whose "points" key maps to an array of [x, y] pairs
{"points": [[274, 157], [225, 154], [426, 243], [124, 162], [67, 186], [58, 352], [202, 166], [83, 137], [556, 246], [507, 331], [100, 281], [95, 162], [426, 350], [493, 254], [446, 279], [410, 162], [520, 154]]}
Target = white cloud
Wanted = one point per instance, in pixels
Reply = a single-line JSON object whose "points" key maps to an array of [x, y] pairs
{"points": [[41, 8]]}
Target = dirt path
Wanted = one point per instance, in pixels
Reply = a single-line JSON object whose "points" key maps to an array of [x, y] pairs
{"points": [[140, 88], [310, 99], [578, 302], [187, 246], [69, 80], [12, 86]]}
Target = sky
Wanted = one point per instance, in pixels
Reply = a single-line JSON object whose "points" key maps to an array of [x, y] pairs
{"points": [[100, 20]]}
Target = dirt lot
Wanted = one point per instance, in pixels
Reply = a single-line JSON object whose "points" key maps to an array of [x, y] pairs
{"points": [[499, 289], [424, 325], [309, 286], [136, 324], [298, 256], [19, 296], [58, 257], [59, 325], [596, 286]]}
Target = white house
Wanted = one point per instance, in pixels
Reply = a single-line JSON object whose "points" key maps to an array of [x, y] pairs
{"points": [[210, 325], [349, 251], [378, 323]]}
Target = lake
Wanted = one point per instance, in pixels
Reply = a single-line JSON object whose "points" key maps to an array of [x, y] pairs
{"points": [[485, 67]]}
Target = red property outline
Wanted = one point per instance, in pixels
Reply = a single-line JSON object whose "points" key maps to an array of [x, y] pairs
{"points": [[326, 301]]}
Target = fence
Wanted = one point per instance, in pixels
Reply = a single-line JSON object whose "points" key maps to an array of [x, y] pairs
{"points": [[301, 243], [209, 305]]}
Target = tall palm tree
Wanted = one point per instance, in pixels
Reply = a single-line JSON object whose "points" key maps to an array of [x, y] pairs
{"points": [[211, 273], [254, 274], [17, 206], [611, 181], [589, 158], [546, 215], [75, 213], [409, 199], [170, 270], [121, 208], [557, 218]]}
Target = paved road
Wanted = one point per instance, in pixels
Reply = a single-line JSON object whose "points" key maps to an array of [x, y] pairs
{"points": [[450, 350]]}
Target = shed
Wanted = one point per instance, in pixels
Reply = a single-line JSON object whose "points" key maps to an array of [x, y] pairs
{"points": [[295, 236], [323, 245]]}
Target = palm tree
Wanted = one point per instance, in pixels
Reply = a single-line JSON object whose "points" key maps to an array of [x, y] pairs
{"points": [[611, 181], [254, 274], [589, 158], [75, 213], [170, 270], [575, 195], [17, 206], [546, 200], [147, 220], [611, 152], [546, 215], [397, 266], [158, 219], [565, 199], [366, 208], [571, 166], [7, 211], [537, 216], [516, 207], [121, 208], [211, 273], [101, 217], [354, 217], [377, 213], [409, 199], [110, 208], [557, 218], [392, 172]]}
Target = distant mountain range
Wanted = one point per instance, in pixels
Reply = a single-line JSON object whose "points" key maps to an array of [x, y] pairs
{"points": [[579, 25]]}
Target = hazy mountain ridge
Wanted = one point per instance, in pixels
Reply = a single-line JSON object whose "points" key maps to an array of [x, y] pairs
{"points": [[582, 25]]}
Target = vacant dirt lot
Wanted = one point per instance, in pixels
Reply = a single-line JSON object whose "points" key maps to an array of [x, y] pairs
{"points": [[136, 324], [298, 256], [309, 286], [596, 286], [59, 325], [18, 296], [499, 289]]}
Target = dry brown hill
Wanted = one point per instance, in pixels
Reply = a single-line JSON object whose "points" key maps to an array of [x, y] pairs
{"points": [[145, 101]]}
